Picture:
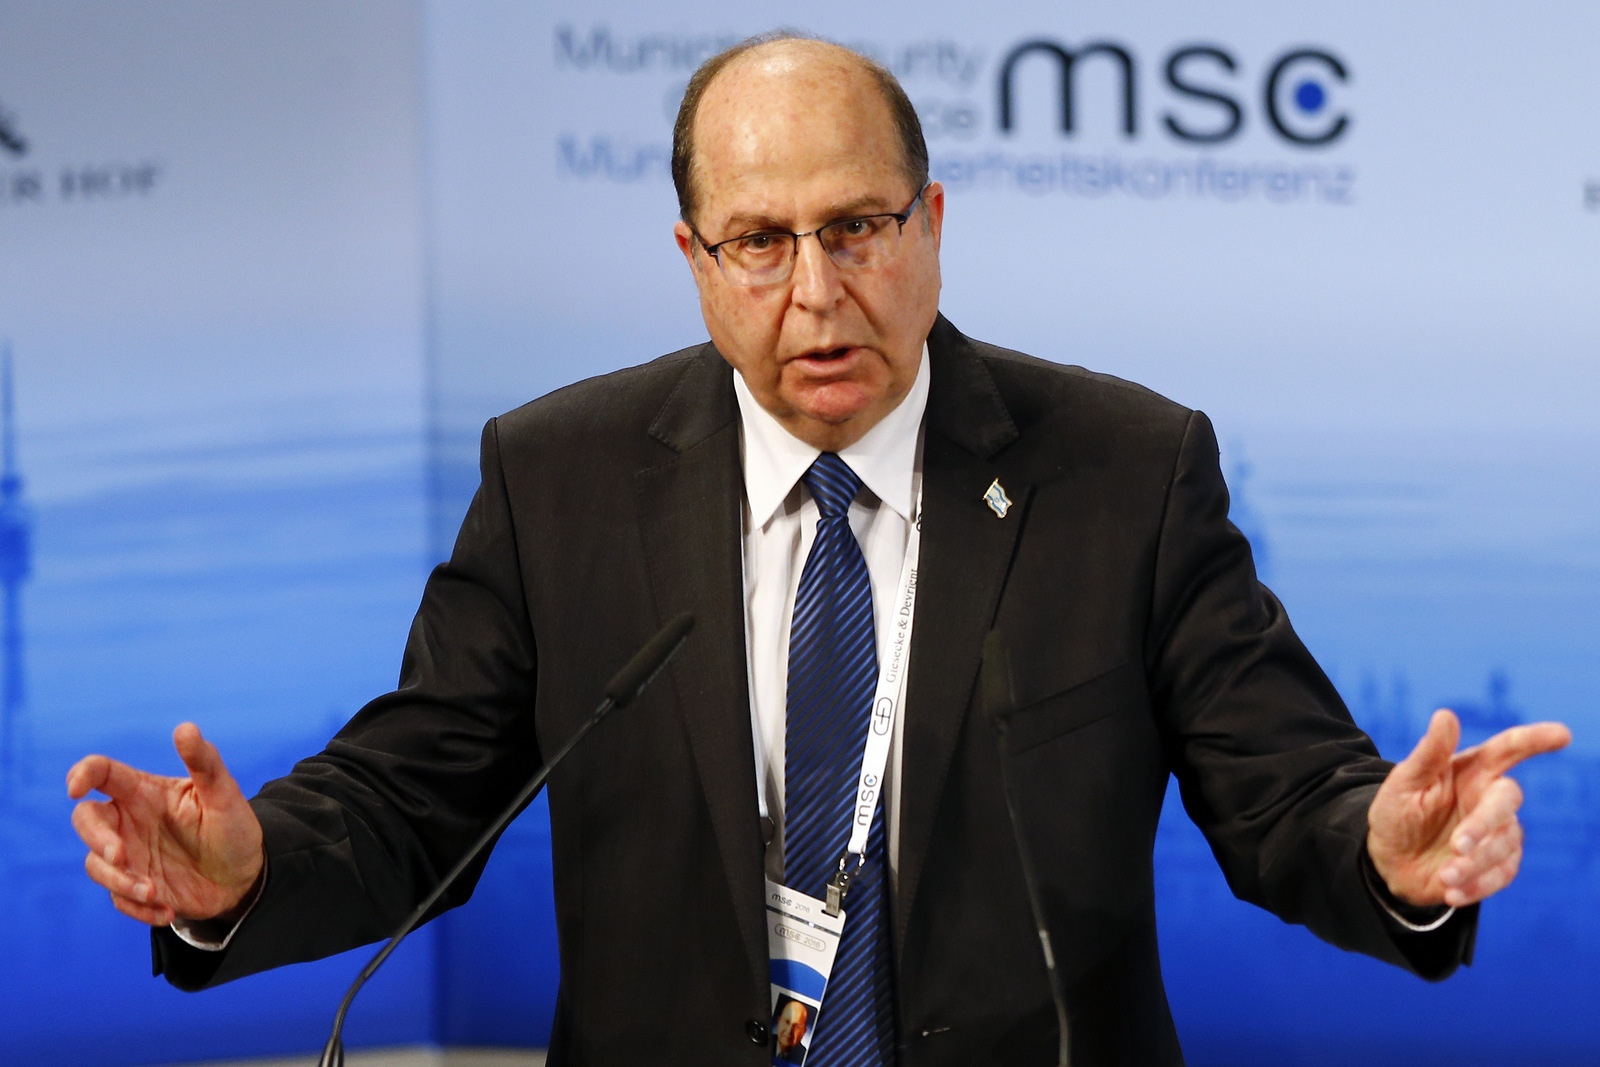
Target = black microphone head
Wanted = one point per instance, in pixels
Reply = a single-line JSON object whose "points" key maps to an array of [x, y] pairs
{"points": [[632, 678], [998, 701]]}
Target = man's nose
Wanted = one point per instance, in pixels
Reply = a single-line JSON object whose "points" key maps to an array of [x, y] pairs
{"points": [[815, 283]]}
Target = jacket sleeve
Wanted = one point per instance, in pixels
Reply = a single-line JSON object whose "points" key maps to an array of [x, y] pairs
{"points": [[358, 834], [1270, 765]]}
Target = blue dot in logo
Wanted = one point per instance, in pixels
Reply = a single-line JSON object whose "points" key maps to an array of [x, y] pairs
{"points": [[1309, 97]]}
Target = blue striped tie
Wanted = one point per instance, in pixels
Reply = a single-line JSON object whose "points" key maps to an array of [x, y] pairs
{"points": [[833, 670]]}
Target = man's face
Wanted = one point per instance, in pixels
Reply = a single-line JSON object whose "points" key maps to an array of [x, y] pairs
{"points": [[791, 1025], [791, 137]]}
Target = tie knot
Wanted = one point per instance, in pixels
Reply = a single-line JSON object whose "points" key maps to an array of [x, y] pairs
{"points": [[832, 483]]}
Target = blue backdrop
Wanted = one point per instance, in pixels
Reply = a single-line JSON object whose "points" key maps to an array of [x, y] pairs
{"points": [[263, 274]]}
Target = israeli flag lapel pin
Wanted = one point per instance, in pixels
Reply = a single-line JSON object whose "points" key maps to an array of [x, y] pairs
{"points": [[995, 497]]}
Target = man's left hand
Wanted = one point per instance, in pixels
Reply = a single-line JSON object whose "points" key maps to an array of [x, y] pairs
{"points": [[1443, 828]]}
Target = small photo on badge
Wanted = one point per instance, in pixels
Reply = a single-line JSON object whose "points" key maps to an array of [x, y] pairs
{"points": [[792, 1020]]}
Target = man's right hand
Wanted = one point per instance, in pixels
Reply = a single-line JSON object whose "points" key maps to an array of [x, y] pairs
{"points": [[168, 848]]}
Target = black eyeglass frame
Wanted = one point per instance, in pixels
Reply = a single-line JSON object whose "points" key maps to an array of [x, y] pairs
{"points": [[900, 218]]}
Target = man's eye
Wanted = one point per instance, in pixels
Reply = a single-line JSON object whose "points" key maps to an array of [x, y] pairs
{"points": [[852, 232], [759, 243]]}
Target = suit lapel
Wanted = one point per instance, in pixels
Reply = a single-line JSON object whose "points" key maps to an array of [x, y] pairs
{"points": [[690, 511], [966, 554]]}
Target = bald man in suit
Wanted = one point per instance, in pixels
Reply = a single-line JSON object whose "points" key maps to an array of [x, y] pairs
{"points": [[1082, 516]]}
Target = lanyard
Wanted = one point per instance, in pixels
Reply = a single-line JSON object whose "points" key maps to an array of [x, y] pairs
{"points": [[886, 704]]}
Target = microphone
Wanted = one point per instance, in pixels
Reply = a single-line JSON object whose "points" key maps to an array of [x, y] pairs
{"points": [[624, 686], [998, 703]]}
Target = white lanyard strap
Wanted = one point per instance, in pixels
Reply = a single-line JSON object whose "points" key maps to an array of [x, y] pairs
{"points": [[890, 696]]}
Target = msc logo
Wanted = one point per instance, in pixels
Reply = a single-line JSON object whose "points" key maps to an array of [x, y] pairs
{"points": [[1295, 93], [10, 139]]}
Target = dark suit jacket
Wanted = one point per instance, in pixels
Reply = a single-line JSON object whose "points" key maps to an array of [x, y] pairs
{"points": [[1141, 646]]}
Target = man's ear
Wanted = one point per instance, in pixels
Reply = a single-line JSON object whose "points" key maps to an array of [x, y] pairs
{"points": [[933, 201], [687, 244]]}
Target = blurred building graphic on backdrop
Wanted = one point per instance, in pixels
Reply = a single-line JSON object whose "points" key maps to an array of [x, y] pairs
{"points": [[16, 548]]}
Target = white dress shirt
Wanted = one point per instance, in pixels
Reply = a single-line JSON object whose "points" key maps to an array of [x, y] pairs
{"points": [[780, 523]]}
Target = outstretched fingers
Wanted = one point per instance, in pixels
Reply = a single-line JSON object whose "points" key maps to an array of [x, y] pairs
{"points": [[1467, 842], [86, 775], [1495, 809], [1504, 844], [200, 824], [102, 774], [1510, 747], [204, 763], [118, 880], [1483, 851], [98, 824], [1487, 870], [1430, 760]]}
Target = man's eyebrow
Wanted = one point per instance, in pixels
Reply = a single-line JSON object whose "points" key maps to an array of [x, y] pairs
{"points": [[756, 221], [861, 205]]}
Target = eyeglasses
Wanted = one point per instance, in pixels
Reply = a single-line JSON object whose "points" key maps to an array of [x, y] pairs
{"points": [[767, 257]]}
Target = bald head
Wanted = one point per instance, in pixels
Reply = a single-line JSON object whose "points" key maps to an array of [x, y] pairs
{"points": [[790, 77]]}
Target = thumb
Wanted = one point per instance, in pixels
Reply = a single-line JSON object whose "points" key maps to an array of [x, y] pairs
{"points": [[1430, 760], [204, 764]]}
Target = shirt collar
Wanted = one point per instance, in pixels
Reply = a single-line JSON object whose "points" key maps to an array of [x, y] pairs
{"points": [[884, 459]]}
